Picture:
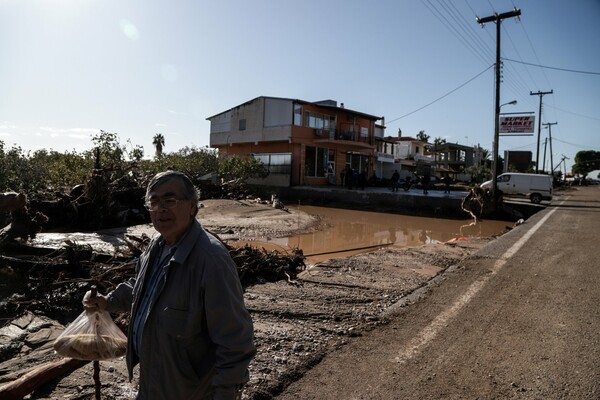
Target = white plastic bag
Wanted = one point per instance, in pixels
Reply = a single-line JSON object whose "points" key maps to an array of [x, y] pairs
{"points": [[92, 336]]}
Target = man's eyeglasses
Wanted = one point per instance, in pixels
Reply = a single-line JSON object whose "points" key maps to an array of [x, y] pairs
{"points": [[155, 205]]}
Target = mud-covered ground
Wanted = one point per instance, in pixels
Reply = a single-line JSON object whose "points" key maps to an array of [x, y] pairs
{"points": [[296, 322]]}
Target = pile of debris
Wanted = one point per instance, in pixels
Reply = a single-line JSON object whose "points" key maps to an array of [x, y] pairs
{"points": [[52, 282], [55, 280], [257, 266]]}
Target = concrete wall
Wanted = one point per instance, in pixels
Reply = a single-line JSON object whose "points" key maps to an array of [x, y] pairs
{"points": [[276, 180], [408, 203]]}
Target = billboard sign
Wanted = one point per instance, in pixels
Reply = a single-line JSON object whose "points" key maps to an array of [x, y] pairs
{"points": [[517, 123]]}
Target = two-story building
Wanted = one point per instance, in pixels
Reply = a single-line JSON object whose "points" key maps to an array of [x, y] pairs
{"points": [[415, 157], [412, 157], [300, 142], [453, 158]]}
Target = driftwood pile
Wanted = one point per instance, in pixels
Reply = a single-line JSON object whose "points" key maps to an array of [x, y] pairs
{"points": [[104, 201], [109, 198], [53, 282], [259, 265]]}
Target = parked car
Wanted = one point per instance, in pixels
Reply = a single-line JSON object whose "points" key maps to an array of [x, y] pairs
{"points": [[536, 187]]}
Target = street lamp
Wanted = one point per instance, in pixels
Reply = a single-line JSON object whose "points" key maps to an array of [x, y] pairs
{"points": [[512, 103], [495, 155]]}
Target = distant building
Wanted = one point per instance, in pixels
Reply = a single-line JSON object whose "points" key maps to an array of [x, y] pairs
{"points": [[300, 142], [412, 157], [517, 161], [453, 158]]}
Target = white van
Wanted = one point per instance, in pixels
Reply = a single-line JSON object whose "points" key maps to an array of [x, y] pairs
{"points": [[537, 187]]}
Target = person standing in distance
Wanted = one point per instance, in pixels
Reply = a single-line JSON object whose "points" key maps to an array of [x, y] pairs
{"points": [[395, 181], [189, 330]]}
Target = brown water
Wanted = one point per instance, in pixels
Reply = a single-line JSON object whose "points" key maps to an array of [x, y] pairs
{"points": [[347, 232], [352, 232]]}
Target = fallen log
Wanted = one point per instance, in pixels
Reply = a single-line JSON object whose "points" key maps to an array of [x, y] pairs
{"points": [[38, 377]]}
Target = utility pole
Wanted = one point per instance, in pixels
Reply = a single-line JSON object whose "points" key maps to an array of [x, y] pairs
{"points": [[497, 18], [565, 167], [549, 125], [545, 145], [537, 154]]}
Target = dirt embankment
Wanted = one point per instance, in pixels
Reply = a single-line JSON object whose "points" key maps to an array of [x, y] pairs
{"points": [[296, 322]]}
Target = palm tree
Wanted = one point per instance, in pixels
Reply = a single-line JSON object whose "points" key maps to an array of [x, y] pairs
{"points": [[158, 141]]}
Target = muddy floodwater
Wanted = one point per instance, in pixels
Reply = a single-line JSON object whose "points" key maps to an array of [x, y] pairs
{"points": [[345, 232], [349, 232]]}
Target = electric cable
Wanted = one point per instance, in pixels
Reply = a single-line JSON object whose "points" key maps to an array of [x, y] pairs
{"points": [[467, 28], [555, 68], [574, 113], [441, 17], [440, 98], [586, 147]]}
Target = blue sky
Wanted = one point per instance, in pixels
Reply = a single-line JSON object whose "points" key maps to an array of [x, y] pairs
{"points": [[72, 67]]}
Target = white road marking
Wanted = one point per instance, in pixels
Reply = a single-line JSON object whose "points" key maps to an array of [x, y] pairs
{"points": [[431, 331]]}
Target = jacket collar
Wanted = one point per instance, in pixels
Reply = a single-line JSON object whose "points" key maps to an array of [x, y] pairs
{"points": [[186, 243]]}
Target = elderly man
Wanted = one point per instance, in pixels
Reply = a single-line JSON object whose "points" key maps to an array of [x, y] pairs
{"points": [[189, 328]]}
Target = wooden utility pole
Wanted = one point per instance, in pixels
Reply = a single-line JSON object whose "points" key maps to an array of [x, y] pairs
{"points": [[549, 125], [537, 154], [545, 145], [497, 18]]}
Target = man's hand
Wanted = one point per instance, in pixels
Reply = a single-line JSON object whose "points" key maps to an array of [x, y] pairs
{"points": [[96, 303]]}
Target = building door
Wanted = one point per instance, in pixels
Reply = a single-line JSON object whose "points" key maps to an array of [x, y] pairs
{"points": [[331, 167], [358, 162]]}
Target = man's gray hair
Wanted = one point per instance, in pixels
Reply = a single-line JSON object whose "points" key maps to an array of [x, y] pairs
{"points": [[189, 190]]}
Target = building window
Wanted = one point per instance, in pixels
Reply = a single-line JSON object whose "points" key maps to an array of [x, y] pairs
{"points": [[297, 115], [276, 163], [319, 121], [316, 162], [242, 124]]}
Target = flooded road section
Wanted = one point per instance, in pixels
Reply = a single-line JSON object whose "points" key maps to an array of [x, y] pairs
{"points": [[345, 232], [349, 232]]}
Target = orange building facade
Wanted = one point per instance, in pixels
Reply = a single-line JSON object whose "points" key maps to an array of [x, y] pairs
{"points": [[300, 142]]}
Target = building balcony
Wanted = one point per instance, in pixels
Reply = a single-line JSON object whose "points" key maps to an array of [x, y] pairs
{"points": [[333, 135]]}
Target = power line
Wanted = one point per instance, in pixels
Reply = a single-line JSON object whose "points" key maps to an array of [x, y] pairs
{"points": [[467, 28], [451, 27], [586, 147], [440, 98], [556, 68], [513, 81], [520, 81], [450, 16], [535, 54], [574, 113]]}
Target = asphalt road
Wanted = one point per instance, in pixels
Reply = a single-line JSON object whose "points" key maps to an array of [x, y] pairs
{"points": [[519, 320]]}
